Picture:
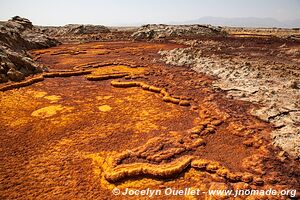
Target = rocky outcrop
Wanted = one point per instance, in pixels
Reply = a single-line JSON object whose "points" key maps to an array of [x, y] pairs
{"points": [[16, 36], [276, 88], [162, 31], [19, 34], [76, 32], [16, 66], [75, 29]]}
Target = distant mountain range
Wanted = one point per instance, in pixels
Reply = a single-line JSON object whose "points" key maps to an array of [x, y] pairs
{"points": [[244, 22]]}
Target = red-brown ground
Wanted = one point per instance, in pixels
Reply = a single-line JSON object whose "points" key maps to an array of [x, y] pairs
{"points": [[64, 137]]}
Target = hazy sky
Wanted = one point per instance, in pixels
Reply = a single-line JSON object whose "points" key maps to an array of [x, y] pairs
{"points": [[118, 12]]}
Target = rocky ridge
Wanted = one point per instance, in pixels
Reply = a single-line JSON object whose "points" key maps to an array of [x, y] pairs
{"points": [[75, 32], [163, 31], [16, 37], [79, 33]]}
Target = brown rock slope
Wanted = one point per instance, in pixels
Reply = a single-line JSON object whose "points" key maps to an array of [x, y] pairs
{"points": [[106, 116], [16, 37]]}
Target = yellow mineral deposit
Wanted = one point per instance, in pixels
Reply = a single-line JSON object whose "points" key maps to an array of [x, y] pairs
{"points": [[166, 170], [104, 108], [118, 69], [53, 98], [49, 111], [38, 94], [103, 97]]}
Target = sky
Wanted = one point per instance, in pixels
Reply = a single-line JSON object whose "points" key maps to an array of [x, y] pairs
{"points": [[135, 12]]}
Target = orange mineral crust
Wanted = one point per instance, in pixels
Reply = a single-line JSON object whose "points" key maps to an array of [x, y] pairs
{"points": [[110, 114]]}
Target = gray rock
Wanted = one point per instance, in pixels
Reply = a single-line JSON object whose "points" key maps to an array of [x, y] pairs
{"points": [[2, 70], [15, 75], [16, 37], [3, 78], [294, 84], [159, 31], [73, 31]]}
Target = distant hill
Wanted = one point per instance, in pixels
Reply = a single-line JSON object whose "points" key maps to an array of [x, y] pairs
{"points": [[245, 22]]}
